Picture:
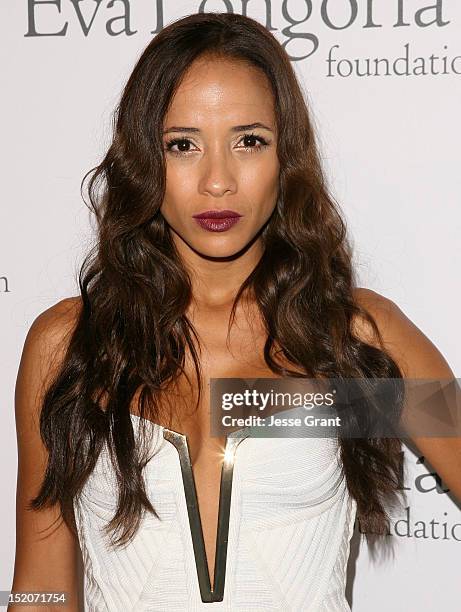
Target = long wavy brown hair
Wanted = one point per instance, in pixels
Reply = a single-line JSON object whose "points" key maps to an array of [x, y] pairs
{"points": [[132, 330]]}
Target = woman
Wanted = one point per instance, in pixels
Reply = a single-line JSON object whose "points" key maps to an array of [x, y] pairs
{"points": [[212, 123]]}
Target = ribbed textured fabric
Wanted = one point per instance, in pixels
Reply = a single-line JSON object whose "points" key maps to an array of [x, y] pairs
{"points": [[291, 520]]}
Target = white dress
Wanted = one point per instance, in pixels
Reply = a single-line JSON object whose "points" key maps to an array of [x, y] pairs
{"points": [[290, 524]]}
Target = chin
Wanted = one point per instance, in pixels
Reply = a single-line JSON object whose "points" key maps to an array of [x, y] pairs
{"points": [[219, 253], [215, 247]]}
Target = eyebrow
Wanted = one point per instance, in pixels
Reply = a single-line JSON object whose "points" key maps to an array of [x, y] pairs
{"points": [[235, 128]]}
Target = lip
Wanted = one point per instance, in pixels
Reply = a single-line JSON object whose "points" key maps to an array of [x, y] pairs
{"points": [[217, 214], [220, 224]]}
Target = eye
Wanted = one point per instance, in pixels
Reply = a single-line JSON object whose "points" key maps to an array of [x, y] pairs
{"points": [[181, 142], [253, 137]]}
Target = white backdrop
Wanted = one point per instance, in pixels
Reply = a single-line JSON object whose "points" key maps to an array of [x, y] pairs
{"points": [[390, 143]]}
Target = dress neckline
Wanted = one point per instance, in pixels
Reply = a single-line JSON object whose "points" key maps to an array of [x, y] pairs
{"points": [[238, 433]]}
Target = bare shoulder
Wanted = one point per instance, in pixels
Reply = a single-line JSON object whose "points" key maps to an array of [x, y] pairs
{"points": [[57, 320], [44, 348], [50, 328], [418, 358], [416, 355]]}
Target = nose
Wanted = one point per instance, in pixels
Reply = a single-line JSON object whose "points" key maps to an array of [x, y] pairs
{"points": [[217, 174]]}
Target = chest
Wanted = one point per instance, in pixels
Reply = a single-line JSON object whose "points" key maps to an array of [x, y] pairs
{"points": [[241, 355]]}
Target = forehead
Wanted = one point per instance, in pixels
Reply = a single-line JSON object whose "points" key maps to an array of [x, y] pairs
{"points": [[222, 89]]}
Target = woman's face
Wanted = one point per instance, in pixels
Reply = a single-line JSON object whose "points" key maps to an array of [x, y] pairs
{"points": [[214, 162]]}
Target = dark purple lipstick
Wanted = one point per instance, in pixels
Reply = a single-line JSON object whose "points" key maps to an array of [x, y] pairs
{"points": [[217, 220]]}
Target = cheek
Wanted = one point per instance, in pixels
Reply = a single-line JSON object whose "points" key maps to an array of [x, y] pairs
{"points": [[180, 185], [261, 184]]}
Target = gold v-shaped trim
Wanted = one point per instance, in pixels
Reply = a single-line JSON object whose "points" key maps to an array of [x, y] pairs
{"points": [[179, 440]]}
